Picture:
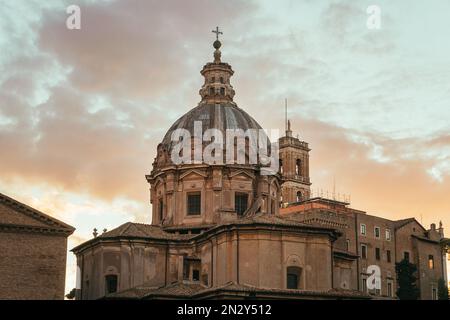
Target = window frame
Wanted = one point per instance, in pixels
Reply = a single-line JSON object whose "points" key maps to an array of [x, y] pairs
{"points": [[188, 207], [431, 262], [299, 196], [406, 253], [107, 283], [240, 194], [362, 226], [294, 271], [298, 167], [377, 253], [390, 289], [434, 293], [388, 234], [375, 232], [364, 256]]}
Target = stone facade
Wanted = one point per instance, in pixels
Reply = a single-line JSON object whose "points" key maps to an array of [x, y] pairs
{"points": [[378, 241], [33, 250], [245, 252]]}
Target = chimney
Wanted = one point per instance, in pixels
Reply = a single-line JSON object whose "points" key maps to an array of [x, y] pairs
{"points": [[441, 229]]}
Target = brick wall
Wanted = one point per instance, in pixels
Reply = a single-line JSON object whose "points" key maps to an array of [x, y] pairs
{"points": [[32, 266]]}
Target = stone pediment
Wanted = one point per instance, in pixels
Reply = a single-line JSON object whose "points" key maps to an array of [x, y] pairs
{"points": [[241, 173], [193, 174], [14, 214]]}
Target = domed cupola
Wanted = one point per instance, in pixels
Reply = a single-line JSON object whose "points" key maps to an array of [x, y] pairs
{"points": [[216, 110], [193, 195]]}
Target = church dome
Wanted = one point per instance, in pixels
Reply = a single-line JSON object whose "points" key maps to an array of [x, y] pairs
{"points": [[216, 110], [221, 116]]}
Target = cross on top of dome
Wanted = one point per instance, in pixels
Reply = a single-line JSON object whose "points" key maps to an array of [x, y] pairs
{"points": [[217, 32]]}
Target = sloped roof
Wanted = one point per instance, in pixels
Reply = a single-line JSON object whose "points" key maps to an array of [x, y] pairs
{"points": [[401, 223], [36, 219], [185, 290], [245, 288], [141, 230], [175, 290], [136, 231], [154, 232]]}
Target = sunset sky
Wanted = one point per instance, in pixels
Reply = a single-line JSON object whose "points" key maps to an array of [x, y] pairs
{"points": [[82, 111]]}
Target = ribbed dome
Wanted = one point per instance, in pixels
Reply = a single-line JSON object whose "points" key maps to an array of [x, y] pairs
{"points": [[221, 116]]}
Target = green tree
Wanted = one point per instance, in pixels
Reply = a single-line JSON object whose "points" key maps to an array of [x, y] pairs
{"points": [[442, 290], [71, 294], [407, 280]]}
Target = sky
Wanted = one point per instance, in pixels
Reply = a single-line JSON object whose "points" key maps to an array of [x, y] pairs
{"points": [[82, 111]]}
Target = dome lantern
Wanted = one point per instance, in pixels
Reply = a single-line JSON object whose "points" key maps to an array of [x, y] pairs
{"points": [[217, 74]]}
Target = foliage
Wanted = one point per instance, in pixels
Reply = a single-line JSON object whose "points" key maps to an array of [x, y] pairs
{"points": [[407, 280]]}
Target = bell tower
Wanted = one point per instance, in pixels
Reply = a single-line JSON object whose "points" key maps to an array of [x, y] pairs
{"points": [[294, 168]]}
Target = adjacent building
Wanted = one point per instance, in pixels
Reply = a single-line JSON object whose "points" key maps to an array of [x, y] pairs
{"points": [[33, 251]]}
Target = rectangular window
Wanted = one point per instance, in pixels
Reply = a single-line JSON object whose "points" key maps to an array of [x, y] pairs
{"points": [[390, 292], [240, 203], [388, 235], [430, 262], [388, 255], [194, 203], [377, 253], [195, 275], [434, 295], [111, 283], [364, 285], [292, 281], [363, 229], [363, 251], [377, 232], [406, 255]]}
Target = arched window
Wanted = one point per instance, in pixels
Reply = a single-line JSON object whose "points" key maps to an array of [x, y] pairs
{"points": [[221, 80], [281, 166], [211, 91], [110, 283], [299, 196], [298, 164], [293, 277]]}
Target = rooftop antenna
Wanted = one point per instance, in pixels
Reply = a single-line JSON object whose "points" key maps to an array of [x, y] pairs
{"points": [[285, 114], [334, 187]]}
